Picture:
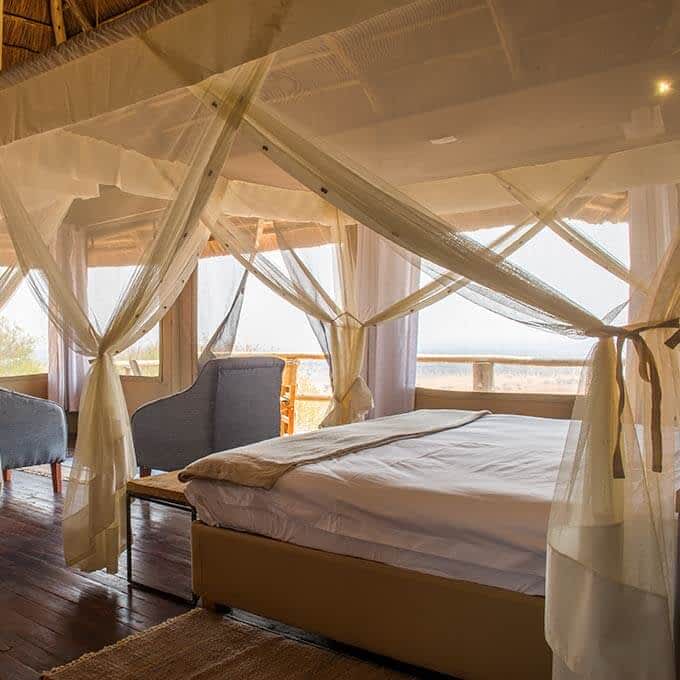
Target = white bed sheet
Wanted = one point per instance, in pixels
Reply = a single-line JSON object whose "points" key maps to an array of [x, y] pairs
{"points": [[470, 503]]}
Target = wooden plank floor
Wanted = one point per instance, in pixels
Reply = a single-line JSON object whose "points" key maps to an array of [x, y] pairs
{"points": [[50, 614]]}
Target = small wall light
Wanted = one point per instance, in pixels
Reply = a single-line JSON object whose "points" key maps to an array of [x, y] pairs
{"points": [[444, 140], [663, 87]]}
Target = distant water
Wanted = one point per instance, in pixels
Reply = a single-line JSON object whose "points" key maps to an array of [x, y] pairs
{"points": [[561, 348]]}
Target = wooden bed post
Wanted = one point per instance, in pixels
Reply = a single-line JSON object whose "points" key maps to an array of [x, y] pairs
{"points": [[6, 476]]}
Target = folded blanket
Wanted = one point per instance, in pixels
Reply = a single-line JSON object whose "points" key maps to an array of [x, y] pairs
{"points": [[262, 464]]}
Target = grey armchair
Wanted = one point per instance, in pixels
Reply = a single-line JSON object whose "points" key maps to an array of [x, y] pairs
{"points": [[233, 402], [32, 432]]}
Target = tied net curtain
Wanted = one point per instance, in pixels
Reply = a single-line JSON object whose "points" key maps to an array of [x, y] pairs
{"points": [[318, 272], [193, 156]]}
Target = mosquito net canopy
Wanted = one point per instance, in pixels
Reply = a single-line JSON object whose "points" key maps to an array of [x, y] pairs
{"points": [[301, 142]]}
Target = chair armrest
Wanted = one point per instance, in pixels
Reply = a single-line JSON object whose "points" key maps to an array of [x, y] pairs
{"points": [[172, 432], [33, 431]]}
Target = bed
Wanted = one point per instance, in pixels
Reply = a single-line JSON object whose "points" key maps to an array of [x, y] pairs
{"points": [[428, 549]]}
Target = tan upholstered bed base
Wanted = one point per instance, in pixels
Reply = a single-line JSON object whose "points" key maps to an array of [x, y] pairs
{"points": [[465, 629]]}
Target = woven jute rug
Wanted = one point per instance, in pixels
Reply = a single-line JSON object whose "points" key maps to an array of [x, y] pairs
{"points": [[201, 645]]}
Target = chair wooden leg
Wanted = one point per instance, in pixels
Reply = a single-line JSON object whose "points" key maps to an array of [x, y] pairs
{"points": [[56, 477], [6, 476], [144, 471]]}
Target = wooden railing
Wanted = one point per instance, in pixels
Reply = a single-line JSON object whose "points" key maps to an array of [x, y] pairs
{"points": [[483, 366]]}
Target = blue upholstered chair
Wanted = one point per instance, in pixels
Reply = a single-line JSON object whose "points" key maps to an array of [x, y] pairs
{"points": [[233, 402], [32, 432]]}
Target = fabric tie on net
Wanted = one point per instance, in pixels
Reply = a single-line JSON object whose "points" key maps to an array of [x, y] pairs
{"points": [[648, 371]]}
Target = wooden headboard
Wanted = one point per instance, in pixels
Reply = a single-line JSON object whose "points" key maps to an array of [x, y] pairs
{"points": [[519, 403]]}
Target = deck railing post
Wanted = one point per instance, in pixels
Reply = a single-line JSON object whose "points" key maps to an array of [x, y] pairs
{"points": [[482, 376]]}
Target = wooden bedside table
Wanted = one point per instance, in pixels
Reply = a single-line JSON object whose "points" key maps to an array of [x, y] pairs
{"points": [[164, 489]]}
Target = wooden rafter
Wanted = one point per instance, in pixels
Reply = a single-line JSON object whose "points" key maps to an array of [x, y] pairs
{"points": [[507, 38], [28, 20], [21, 48], [79, 15], [57, 15]]}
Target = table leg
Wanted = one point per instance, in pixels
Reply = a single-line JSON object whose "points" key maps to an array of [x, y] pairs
{"points": [[194, 596], [129, 498], [128, 504]]}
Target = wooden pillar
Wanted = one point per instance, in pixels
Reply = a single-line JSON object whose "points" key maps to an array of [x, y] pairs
{"points": [[181, 336]]}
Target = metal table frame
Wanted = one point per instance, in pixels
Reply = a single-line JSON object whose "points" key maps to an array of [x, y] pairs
{"points": [[185, 507]]}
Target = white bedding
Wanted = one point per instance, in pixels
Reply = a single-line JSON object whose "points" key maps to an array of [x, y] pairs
{"points": [[470, 503]]}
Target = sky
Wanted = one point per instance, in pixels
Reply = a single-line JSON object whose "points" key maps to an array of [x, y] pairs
{"points": [[453, 326]]}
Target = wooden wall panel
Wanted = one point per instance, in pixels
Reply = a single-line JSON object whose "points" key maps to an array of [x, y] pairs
{"points": [[35, 385]]}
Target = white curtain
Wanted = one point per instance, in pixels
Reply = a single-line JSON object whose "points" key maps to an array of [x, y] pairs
{"points": [[384, 278], [653, 219], [67, 368]]}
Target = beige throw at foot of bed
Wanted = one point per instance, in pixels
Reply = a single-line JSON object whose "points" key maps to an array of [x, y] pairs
{"points": [[262, 464]]}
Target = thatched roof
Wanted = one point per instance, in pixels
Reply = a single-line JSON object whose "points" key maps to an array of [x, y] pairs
{"points": [[30, 27]]}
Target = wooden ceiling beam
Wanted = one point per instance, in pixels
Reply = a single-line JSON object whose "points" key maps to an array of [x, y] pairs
{"points": [[507, 36], [57, 15]]}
